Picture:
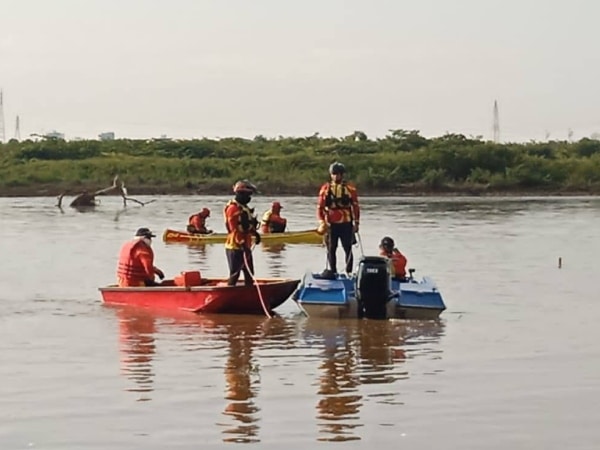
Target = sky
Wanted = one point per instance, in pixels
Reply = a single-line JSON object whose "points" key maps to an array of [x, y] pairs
{"points": [[224, 68]]}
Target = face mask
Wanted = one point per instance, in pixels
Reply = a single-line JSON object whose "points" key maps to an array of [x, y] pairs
{"points": [[243, 198]]}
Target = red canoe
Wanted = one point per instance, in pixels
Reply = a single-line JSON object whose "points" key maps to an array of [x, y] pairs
{"points": [[210, 296]]}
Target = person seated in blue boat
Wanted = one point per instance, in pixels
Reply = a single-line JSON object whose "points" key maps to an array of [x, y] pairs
{"points": [[397, 259], [197, 222], [272, 222], [136, 261], [241, 225]]}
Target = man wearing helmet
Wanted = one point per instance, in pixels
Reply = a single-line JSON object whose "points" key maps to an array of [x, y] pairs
{"points": [[241, 226], [339, 214], [197, 222], [136, 261], [397, 259], [272, 222]]}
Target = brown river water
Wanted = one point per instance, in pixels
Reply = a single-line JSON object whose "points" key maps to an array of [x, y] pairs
{"points": [[513, 363]]}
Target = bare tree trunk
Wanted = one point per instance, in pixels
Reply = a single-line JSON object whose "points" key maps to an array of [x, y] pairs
{"points": [[88, 200]]}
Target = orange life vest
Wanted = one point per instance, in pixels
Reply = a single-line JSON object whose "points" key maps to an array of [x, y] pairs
{"points": [[134, 260], [338, 203], [197, 224], [272, 222], [240, 224], [398, 261]]}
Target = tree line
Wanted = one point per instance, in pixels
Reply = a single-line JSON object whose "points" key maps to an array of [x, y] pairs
{"points": [[401, 162]]}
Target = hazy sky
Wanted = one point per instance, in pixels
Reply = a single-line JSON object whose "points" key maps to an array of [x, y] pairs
{"points": [[217, 68]]}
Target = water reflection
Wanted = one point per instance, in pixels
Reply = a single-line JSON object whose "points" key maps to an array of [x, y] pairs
{"points": [[360, 353], [242, 376], [241, 334], [275, 257], [198, 250], [137, 348]]}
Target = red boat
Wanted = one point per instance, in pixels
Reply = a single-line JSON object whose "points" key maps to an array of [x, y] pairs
{"points": [[188, 292]]}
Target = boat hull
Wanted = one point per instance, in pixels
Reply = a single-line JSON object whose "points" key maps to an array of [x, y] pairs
{"points": [[213, 297], [336, 298], [289, 237]]}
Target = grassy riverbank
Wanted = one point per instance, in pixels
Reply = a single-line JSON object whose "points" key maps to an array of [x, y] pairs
{"points": [[403, 163]]}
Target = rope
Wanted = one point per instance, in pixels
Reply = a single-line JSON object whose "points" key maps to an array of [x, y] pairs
{"points": [[260, 296], [362, 253], [326, 241]]}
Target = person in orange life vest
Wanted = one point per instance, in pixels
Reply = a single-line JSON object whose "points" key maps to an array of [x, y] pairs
{"points": [[197, 222], [136, 261], [339, 214], [241, 226], [398, 260], [272, 222]]}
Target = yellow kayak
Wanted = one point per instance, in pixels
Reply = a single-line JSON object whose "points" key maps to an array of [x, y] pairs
{"points": [[290, 237]]}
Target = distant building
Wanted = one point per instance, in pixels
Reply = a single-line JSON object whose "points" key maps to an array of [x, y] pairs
{"points": [[108, 136], [54, 135]]}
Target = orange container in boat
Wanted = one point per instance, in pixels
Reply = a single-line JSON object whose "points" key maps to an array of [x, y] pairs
{"points": [[191, 278]]}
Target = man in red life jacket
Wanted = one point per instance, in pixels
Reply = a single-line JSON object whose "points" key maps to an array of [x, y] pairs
{"points": [[197, 222], [339, 214], [398, 260], [136, 261], [272, 222], [241, 226]]}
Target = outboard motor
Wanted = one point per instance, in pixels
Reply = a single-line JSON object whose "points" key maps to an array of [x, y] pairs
{"points": [[373, 287]]}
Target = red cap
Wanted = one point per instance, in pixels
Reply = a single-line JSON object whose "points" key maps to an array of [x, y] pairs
{"points": [[276, 205]]}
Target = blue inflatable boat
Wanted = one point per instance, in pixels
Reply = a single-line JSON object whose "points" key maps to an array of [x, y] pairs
{"points": [[370, 293]]}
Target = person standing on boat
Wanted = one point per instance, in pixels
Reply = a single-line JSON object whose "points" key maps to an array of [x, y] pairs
{"points": [[339, 214], [241, 226], [397, 260], [197, 222], [136, 261], [272, 222]]}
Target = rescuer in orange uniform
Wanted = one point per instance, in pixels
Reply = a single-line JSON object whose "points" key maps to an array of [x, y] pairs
{"points": [[136, 261], [397, 259], [339, 214], [197, 222], [241, 226], [272, 222]]}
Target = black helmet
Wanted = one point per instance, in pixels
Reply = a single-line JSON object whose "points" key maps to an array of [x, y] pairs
{"points": [[244, 186], [337, 168], [387, 243], [144, 232]]}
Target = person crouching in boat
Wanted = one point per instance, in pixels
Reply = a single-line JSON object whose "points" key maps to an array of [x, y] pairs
{"points": [[272, 222], [197, 222], [136, 261], [241, 226], [397, 260]]}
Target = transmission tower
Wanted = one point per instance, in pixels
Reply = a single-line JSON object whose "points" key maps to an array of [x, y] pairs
{"points": [[1, 119], [18, 129], [496, 123]]}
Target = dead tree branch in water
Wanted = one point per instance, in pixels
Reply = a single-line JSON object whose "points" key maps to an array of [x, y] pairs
{"points": [[123, 191], [125, 197], [87, 199]]}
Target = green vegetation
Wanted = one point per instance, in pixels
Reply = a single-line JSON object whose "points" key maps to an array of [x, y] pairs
{"points": [[402, 162]]}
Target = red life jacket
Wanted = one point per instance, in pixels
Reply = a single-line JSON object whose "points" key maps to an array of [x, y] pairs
{"points": [[130, 268], [398, 262], [197, 224]]}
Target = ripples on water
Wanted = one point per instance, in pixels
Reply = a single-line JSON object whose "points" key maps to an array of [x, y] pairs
{"points": [[513, 362], [346, 364]]}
